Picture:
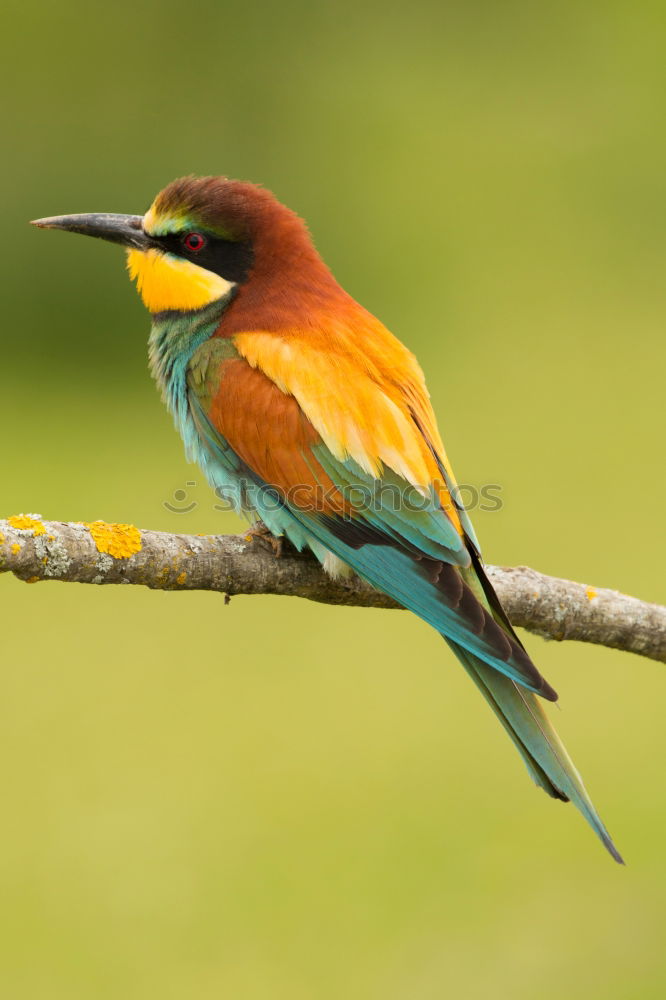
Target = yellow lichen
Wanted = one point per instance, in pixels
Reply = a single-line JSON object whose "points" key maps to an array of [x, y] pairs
{"points": [[16, 548], [181, 578], [590, 593], [33, 579], [24, 522], [118, 540], [2, 538]]}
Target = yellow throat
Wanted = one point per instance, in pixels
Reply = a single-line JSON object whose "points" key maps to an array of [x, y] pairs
{"points": [[168, 282]]}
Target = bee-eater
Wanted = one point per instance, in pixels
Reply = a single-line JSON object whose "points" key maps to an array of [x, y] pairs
{"points": [[307, 413]]}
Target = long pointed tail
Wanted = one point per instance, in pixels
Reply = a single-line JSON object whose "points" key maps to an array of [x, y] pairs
{"points": [[547, 761]]}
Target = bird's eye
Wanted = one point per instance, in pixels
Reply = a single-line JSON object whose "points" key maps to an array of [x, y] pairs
{"points": [[195, 242]]}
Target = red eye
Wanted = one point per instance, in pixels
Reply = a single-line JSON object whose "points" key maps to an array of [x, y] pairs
{"points": [[195, 242]]}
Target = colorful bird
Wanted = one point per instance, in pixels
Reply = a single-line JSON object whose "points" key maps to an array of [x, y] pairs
{"points": [[313, 419]]}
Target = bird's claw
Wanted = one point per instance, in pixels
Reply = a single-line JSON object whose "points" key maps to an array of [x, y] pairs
{"points": [[260, 533]]}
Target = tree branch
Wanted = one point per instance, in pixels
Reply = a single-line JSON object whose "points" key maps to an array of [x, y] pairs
{"points": [[100, 553]]}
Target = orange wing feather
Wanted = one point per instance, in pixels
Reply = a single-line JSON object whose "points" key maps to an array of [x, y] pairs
{"points": [[362, 391], [272, 435]]}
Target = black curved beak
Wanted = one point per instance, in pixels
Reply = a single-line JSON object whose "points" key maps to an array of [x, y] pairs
{"points": [[124, 229]]}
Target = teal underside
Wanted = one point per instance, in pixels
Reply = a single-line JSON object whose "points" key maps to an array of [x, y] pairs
{"points": [[180, 344]]}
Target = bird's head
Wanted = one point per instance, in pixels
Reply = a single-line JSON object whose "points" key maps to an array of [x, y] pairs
{"points": [[200, 239]]}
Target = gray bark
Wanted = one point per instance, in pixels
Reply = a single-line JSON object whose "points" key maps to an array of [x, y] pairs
{"points": [[36, 550]]}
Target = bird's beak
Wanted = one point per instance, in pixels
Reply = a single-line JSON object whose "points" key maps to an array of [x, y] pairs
{"points": [[124, 229]]}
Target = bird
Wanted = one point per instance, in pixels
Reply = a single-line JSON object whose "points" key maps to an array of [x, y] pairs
{"points": [[314, 420]]}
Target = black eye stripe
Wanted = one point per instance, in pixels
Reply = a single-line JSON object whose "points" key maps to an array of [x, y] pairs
{"points": [[231, 260]]}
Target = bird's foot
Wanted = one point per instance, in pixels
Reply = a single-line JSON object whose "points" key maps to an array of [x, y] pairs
{"points": [[260, 533]]}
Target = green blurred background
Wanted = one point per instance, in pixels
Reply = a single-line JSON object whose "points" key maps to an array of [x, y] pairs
{"points": [[276, 799]]}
